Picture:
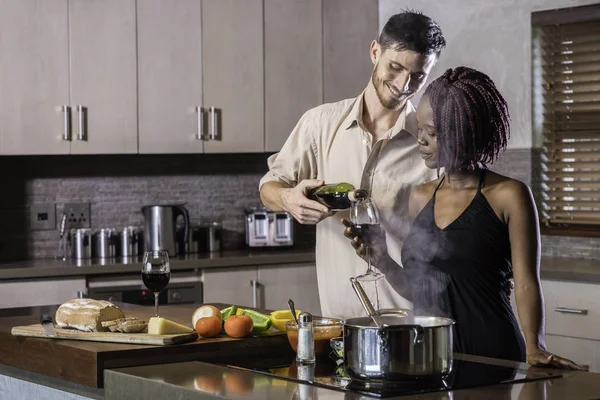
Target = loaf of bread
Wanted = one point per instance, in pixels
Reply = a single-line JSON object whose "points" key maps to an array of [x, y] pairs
{"points": [[87, 314]]}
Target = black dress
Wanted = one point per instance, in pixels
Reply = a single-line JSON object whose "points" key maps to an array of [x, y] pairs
{"points": [[462, 272]]}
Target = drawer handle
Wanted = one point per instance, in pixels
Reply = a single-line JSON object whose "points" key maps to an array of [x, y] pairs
{"points": [[565, 310]]}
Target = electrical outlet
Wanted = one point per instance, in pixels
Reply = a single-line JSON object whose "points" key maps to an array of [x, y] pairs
{"points": [[78, 215], [42, 216]]}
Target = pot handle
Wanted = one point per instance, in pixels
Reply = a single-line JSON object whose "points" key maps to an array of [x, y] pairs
{"points": [[394, 311], [419, 334]]}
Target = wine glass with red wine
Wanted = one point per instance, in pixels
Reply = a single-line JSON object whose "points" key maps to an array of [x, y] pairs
{"points": [[156, 273], [365, 219]]}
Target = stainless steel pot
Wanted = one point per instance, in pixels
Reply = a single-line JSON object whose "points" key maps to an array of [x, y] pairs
{"points": [[405, 347]]}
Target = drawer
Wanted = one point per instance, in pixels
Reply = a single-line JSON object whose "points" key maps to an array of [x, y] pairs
{"points": [[581, 351], [572, 309]]}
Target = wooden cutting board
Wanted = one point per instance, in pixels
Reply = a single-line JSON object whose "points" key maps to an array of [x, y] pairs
{"points": [[37, 330]]}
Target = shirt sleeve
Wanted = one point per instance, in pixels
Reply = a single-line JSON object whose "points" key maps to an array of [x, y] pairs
{"points": [[297, 159]]}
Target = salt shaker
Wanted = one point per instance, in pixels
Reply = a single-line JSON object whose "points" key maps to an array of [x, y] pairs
{"points": [[305, 352]]}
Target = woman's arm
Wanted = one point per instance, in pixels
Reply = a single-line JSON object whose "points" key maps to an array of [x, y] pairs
{"points": [[523, 227]]}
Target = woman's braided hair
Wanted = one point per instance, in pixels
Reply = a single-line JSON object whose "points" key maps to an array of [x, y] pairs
{"points": [[470, 117]]}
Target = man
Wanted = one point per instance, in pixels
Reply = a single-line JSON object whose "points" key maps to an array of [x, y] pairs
{"points": [[369, 141]]}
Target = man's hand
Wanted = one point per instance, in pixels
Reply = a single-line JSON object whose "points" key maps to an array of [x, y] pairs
{"points": [[305, 211]]}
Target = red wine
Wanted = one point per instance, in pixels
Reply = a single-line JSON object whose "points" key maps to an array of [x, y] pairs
{"points": [[368, 233], [156, 281]]}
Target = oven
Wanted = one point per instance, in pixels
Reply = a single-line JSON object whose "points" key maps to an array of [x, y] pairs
{"points": [[183, 288]]}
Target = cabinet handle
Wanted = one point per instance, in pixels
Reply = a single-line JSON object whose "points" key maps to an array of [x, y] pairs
{"points": [[200, 114], [81, 113], [213, 124], [565, 310], [67, 122], [254, 284]]}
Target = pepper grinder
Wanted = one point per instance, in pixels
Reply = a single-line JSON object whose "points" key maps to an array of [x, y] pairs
{"points": [[305, 353]]}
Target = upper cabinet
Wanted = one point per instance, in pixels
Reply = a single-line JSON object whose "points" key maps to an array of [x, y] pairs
{"points": [[170, 77], [232, 33], [34, 77], [293, 65], [103, 76], [68, 76], [163, 76]]}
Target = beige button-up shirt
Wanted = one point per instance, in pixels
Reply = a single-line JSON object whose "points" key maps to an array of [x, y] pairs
{"points": [[330, 143]]}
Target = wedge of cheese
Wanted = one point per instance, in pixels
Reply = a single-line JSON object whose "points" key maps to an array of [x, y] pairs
{"points": [[161, 326]]}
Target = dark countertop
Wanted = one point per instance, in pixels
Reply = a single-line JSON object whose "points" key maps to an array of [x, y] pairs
{"points": [[552, 268], [198, 380], [50, 268], [570, 269]]}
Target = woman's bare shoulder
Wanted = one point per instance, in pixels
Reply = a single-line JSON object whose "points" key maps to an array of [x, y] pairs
{"points": [[505, 189]]}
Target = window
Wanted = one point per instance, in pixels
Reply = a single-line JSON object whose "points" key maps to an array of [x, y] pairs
{"points": [[566, 115]]}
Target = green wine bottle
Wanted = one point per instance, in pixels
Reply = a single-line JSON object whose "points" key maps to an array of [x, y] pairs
{"points": [[337, 196]]}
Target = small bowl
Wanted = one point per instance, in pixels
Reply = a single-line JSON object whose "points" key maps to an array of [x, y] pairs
{"points": [[337, 345], [324, 330]]}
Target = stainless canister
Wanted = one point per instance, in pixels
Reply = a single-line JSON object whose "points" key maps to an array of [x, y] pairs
{"points": [[81, 243], [129, 237], [404, 348], [214, 237], [104, 243]]}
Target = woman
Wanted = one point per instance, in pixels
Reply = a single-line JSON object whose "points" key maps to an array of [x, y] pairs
{"points": [[472, 229]]}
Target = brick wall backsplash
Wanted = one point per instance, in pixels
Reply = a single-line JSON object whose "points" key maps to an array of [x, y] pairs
{"points": [[213, 187]]}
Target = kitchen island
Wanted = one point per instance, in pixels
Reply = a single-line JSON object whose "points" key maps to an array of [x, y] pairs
{"points": [[210, 369]]}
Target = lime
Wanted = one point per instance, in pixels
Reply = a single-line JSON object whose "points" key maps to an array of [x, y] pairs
{"points": [[262, 322], [228, 312]]}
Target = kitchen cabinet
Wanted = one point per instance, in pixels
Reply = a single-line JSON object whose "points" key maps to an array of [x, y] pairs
{"points": [[581, 351], [39, 292], [295, 281], [103, 76], [233, 75], [293, 65], [229, 285], [75, 53], [170, 77], [34, 76], [264, 286], [349, 27]]}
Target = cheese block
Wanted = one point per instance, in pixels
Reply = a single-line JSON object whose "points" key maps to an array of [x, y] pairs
{"points": [[87, 314], [161, 326]]}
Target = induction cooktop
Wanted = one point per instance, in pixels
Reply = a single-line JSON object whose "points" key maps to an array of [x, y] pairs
{"points": [[329, 373]]}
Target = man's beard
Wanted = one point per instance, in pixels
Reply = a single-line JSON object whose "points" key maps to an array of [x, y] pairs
{"points": [[379, 86]]}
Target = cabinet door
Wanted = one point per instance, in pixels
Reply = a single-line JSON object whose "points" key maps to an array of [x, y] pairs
{"points": [[39, 292], [170, 76], [234, 74], [293, 65], [349, 27], [294, 281], [103, 76], [34, 76], [229, 286]]}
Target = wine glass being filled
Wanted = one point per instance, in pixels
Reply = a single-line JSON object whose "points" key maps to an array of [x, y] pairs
{"points": [[156, 273], [365, 220]]}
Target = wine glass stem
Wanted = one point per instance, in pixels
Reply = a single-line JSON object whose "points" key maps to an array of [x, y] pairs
{"points": [[156, 303], [369, 261]]}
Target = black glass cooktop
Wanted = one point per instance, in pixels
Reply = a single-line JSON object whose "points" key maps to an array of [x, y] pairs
{"points": [[330, 374]]}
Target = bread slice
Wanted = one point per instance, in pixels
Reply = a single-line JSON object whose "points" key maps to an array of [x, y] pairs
{"points": [[87, 314]]}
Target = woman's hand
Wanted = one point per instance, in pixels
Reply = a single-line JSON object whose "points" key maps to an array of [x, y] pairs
{"points": [[543, 358], [377, 249]]}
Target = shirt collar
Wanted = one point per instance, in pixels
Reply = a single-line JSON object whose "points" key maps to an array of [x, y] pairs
{"points": [[407, 120]]}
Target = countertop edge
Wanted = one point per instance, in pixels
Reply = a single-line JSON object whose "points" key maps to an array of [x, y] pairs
{"points": [[24, 270]]}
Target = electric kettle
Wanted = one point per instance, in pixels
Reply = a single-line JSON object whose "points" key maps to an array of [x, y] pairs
{"points": [[160, 227]]}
